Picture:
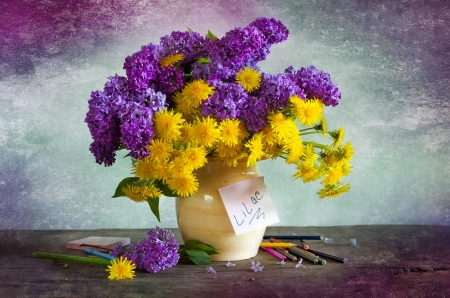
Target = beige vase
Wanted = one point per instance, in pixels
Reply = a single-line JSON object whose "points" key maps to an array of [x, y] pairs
{"points": [[203, 216]]}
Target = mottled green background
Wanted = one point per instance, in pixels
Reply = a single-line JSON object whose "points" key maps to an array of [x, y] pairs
{"points": [[390, 60]]}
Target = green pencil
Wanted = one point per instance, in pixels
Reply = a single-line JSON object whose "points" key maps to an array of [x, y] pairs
{"points": [[72, 258]]}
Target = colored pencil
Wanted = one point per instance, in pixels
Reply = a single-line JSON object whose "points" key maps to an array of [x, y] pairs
{"points": [[303, 253], [278, 244], [273, 253], [325, 255], [286, 254], [98, 254], [72, 258], [284, 237]]}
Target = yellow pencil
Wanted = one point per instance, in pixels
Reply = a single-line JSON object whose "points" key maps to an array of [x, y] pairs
{"points": [[272, 244]]}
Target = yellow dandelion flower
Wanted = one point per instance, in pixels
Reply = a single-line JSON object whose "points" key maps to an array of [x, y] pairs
{"points": [[206, 132], [249, 78], [283, 127], [171, 60], [345, 153], [195, 157], [255, 146], [179, 167], [229, 154], [333, 175], [333, 190], [182, 105], [196, 92], [338, 136], [294, 150], [134, 193], [121, 268], [307, 112], [186, 133], [183, 185], [322, 126], [230, 131], [307, 173], [151, 191], [167, 125], [309, 155], [159, 150], [143, 168], [161, 171]]}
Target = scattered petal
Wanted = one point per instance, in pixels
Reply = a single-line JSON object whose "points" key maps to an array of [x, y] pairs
{"points": [[256, 267], [282, 262], [212, 271], [229, 264], [299, 264], [353, 242], [327, 240]]}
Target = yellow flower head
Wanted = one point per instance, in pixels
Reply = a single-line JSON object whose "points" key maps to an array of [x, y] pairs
{"points": [[345, 152], [151, 191], [307, 112], [143, 168], [134, 193], [249, 78], [307, 173], [230, 154], [294, 150], [206, 132], [255, 146], [183, 185], [161, 171], [333, 175], [167, 125], [159, 150], [230, 131], [333, 190], [309, 156], [196, 92], [179, 167], [338, 136], [121, 268], [171, 60], [283, 127], [195, 157]]}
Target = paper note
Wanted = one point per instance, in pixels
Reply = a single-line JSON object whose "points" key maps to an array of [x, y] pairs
{"points": [[248, 205]]}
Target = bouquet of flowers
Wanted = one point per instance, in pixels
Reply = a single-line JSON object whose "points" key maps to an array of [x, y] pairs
{"points": [[191, 97]]}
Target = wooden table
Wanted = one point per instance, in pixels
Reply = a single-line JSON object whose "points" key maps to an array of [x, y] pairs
{"points": [[391, 261]]}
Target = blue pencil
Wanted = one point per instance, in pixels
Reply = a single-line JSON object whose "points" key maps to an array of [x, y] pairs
{"points": [[98, 254], [310, 237]]}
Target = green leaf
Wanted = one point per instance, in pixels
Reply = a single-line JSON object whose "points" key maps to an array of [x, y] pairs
{"points": [[165, 188], [211, 36], [189, 29], [203, 60], [124, 182], [200, 260], [154, 206], [191, 243], [196, 253], [141, 183]]}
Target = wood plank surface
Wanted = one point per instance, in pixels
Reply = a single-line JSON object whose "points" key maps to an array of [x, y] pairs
{"points": [[391, 261]]}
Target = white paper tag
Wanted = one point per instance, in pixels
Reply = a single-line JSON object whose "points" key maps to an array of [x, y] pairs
{"points": [[248, 205]]}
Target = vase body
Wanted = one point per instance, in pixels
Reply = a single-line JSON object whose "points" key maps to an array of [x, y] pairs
{"points": [[203, 216]]}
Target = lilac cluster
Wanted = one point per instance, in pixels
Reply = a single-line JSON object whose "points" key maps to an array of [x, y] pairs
{"points": [[120, 115], [315, 83], [254, 113], [158, 252], [190, 44], [226, 102]]}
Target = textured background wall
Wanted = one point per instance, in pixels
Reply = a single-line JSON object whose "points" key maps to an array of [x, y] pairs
{"points": [[390, 60]]}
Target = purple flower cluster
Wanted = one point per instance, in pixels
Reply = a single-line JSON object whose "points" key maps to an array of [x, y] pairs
{"points": [[315, 83], [158, 252], [226, 102], [121, 114]]}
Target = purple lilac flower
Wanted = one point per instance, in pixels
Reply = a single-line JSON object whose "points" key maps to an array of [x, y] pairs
{"points": [[276, 90], [158, 252], [188, 43], [143, 66], [315, 83], [226, 101], [169, 80], [102, 119], [254, 113], [274, 31], [118, 250]]}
